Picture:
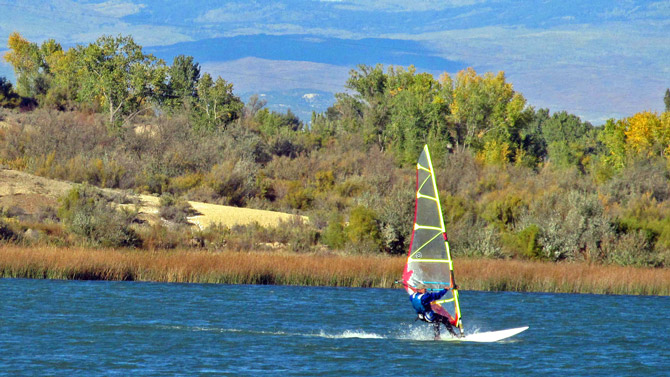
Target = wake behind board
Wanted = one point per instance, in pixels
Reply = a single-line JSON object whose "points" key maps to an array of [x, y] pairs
{"points": [[489, 336]]}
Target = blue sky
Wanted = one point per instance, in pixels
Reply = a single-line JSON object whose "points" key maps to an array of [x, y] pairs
{"points": [[597, 59]]}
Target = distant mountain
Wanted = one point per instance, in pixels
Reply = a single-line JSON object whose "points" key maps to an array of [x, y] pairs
{"points": [[335, 51], [302, 102]]}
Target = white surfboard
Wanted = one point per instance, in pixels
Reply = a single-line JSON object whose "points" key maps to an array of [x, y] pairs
{"points": [[489, 336]]}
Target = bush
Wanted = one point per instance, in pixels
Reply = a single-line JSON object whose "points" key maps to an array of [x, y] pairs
{"points": [[87, 213], [175, 209], [7, 233], [396, 219], [334, 235], [571, 225], [524, 243], [631, 249], [299, 197], [235, 182], [363, 230]]}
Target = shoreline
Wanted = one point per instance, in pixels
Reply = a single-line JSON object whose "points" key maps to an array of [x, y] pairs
{"points": [[283, 268]]}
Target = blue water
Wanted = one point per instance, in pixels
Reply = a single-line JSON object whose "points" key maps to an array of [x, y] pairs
{"points": [[63, 328]]}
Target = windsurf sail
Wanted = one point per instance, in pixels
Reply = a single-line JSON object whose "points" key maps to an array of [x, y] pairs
{"points": [[429, 260]]}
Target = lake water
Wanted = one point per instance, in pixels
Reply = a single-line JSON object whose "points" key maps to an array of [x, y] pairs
{"points": [[63, 328]]}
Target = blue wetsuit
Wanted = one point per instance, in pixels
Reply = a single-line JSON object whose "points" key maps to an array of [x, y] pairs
{"points": [[421, 303]]}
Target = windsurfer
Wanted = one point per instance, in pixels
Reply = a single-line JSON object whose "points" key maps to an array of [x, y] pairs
{"points": [[421, 301]]}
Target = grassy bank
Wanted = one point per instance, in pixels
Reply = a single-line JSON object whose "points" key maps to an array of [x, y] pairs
{"points": [[328, 270]]}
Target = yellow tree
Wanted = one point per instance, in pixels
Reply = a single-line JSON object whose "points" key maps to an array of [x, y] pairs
{"points": [[24, 58], [486, 108], [662, 134], [644, 136]]}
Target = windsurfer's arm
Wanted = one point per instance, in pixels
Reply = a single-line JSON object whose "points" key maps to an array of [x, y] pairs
{"points": [[432, 296]]}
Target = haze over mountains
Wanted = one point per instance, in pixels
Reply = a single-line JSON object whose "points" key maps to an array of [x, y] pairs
{"points": [[597, 59]]}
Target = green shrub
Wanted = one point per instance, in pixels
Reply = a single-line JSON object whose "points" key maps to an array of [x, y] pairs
{"points": [[632, 249], [235, 182], [524, 243], [395, 219], [363, 230], [87, 213], [454, 207], [334, 235], [175, 209], [298, 197], [504, 212]]}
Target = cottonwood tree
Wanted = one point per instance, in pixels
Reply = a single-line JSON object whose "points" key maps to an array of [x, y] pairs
{"points": [[485, 109], [183, 80], [216, 106], [120, 77], [31, 65]]}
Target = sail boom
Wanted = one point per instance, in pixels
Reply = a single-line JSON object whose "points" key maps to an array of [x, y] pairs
{"points": [[429, 260], [417, 226], [421, 196]]}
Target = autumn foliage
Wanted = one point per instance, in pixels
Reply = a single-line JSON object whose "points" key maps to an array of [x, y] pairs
{"points": [[515, 182]]}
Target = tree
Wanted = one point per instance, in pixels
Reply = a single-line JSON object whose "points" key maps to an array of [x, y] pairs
{"points": [[666, 99], [182, 85], [8, 98], [23, 56], [115, 72], [486, 108], [614, 137], [217, 105], [418, 109], [64, 84], [369, 101], [564, 135], [641, 133], [641, 136], [31, 65]]}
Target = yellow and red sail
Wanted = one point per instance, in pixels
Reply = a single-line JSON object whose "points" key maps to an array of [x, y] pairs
{"points": [[429, 260]]}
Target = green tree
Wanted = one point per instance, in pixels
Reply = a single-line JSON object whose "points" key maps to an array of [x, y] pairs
{"points": [[369, 101], [116, 73], [217, 106], [24, 58], [613, 136], [418, 109], [666, 99], [64, 84], [8, 98], [183, 80], [565, 137], [31, 65], [488, 114]]}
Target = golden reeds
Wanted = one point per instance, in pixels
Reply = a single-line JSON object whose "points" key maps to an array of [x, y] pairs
{"points": [[319, 269]]}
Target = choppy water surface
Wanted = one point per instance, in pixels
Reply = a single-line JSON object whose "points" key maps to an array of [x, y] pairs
{"points": [[150, 329]]}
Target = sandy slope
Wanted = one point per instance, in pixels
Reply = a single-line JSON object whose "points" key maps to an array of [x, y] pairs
{"points": [[30, 193]]}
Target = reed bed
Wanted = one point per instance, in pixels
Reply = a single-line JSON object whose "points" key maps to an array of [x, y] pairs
{"points": [[284, 268]]}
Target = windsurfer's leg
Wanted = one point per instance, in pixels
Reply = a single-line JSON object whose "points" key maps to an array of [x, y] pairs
{"points": [[448, 325], [436, 329]]}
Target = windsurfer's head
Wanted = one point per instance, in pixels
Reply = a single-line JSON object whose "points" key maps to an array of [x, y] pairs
{"points": [[420, 288]]}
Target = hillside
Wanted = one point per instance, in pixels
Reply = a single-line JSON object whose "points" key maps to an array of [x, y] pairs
{"points": [[29, 194]]}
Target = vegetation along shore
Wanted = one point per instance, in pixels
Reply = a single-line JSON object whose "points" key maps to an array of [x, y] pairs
{"points": [[117, 165], [187, 266]]}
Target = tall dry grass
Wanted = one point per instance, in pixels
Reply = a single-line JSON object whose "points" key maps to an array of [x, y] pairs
{"points": [[317, 269], [523, 276], [197, 266]]}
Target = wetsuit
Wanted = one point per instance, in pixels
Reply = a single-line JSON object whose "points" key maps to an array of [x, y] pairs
{"points": [[421, 303]]}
